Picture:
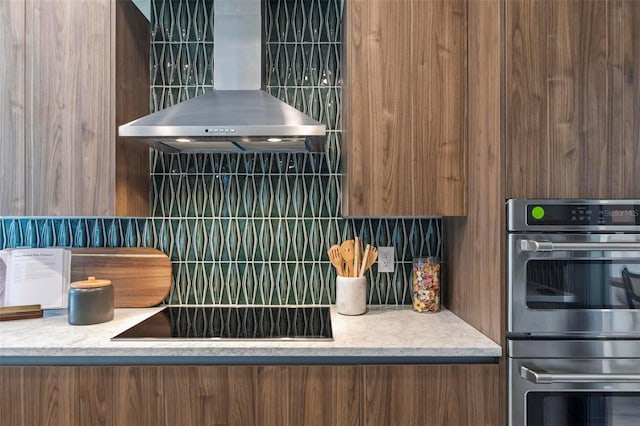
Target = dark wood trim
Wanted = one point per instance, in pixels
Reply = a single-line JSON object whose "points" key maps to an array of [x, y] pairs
{"points": [[132, 85]]}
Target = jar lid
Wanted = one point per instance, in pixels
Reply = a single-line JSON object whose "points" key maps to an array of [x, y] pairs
{"points": [[91, 282]]}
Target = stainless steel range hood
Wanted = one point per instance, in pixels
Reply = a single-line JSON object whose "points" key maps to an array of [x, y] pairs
{"points": [[236, 116]]}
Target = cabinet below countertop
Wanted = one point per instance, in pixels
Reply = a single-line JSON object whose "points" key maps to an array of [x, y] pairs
{"points": [[452, 394]]}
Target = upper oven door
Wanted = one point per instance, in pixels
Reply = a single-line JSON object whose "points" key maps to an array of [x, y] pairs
{"points": [[574, 285]]}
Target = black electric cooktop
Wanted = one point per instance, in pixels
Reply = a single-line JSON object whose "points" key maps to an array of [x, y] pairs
{"points": [[234, 322]]}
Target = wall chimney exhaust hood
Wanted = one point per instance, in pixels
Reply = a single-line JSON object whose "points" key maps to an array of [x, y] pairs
{"points": [[236, 116]]}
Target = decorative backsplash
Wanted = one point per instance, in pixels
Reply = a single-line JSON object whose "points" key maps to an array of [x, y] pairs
{"points": [[248, 228]]}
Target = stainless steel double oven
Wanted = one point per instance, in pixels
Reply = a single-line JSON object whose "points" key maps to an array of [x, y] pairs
{"points": [[573, 321]]}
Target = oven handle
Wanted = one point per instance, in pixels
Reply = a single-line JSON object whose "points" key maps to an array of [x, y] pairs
{"points": [[535, 246], [543, 377]]}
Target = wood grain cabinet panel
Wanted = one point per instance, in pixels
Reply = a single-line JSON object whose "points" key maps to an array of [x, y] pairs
{"points": [[66, 104], [12, 106], [280, 395], [572, 99], [70, 148], [431, 395], [626, 96], [181, 395], [439, 107], [405, 108]]}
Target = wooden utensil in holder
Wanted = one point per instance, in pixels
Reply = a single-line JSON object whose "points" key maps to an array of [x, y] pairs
{"points": [[336, 259], [368, 259], [347, 251]]}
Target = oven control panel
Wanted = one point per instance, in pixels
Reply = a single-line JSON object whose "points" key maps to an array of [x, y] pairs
{"points": [[580, 214], [615, 215]]}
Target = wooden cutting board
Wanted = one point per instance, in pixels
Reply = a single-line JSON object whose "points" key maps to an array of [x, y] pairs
{"points": [[141, 277]]}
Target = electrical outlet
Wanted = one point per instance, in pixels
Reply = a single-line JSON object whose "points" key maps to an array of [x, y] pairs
{"points": [[386, 262]]}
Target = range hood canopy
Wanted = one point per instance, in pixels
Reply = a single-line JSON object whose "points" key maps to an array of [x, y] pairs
{"points": [[229, 121], [236, 116]]}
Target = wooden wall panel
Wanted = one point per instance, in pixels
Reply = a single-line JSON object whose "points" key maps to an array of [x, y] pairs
{"points": [[70, 152], [578, 107], [431, 395], [377, 109], [12, 108], [572, 99], [526, 93], [626, 97], [439, 108], [474, 246]]}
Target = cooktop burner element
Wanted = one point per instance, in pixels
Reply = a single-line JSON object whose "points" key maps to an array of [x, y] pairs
{"points": [[234, 322]]}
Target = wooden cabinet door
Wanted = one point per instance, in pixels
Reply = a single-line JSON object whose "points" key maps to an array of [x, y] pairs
{"points": [[405, 124], [431, 395], [572, 99], [12, 108], [378, 87], [70, 134], [439, 108], [70, 72]]}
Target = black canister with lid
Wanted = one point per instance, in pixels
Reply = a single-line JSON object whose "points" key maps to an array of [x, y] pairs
{"points": [[90, 302]]}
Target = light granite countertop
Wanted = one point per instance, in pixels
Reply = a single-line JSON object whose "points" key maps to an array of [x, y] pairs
{"points": [[385, 334]]}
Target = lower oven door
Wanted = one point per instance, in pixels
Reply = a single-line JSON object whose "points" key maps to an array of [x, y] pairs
{"points": [[574, 284], [565, 392]]}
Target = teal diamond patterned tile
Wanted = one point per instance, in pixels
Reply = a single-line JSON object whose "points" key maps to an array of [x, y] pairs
{"points": [[216, 238], [250, 239], [215, 283], [148, 235], [131, 233], [31, 237], [200, 232], [114, 233], [197, 291], [180, 292], [15, 234], [3, 234], [63, 233], [231, 286], [47, 233], [181, 236], [247, 191], [80, 233]]}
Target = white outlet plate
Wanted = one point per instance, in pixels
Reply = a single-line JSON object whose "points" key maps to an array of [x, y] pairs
{"points": [[386, 261]]}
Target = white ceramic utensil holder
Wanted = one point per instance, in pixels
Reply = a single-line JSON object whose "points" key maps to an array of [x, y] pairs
{"points": [[351, 295]]}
